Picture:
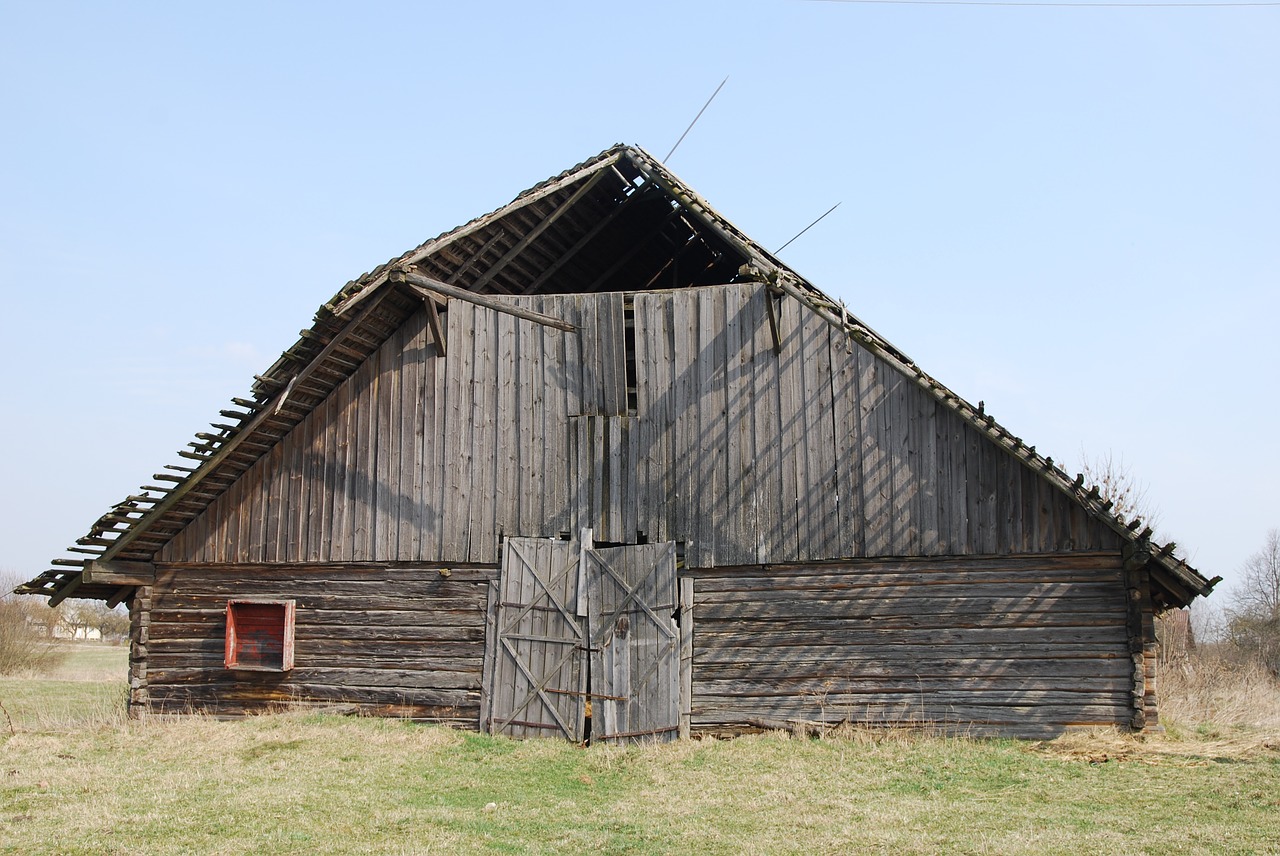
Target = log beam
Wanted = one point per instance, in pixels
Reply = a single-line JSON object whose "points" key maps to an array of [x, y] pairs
{"points": [[429, 288], [99, 572]]}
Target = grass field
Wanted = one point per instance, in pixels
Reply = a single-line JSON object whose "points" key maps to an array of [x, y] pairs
{"points": [[302, 783]]}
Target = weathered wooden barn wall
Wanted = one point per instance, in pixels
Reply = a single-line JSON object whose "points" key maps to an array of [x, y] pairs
{"points": [[395, 641], [668, 416], [1018, 646]]}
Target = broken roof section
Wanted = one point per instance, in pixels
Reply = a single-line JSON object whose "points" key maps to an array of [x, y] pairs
{"points": [[617, 222]]}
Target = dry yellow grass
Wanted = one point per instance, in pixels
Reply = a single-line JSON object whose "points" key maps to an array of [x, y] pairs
{"points": [[1210, 691]]}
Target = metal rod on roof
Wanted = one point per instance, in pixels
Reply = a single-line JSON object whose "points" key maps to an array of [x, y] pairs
{"points": [[696, 118], [807, 228]]}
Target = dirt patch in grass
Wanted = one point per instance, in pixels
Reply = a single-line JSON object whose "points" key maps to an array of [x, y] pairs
{"points": [[1201, 746]]}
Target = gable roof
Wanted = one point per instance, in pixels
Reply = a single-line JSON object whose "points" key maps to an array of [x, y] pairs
{"points": [[619, 221]]}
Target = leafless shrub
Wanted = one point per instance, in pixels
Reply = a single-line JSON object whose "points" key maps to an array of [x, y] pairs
{"points": [[1117, 483], [1214, 687], [26, 629], [1252, 626]]}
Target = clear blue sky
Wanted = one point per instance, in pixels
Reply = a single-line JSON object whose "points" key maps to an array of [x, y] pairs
{"points": [[1071, 214]]}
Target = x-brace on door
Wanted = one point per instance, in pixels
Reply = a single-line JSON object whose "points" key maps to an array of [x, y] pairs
{"points": [[561, 612]]}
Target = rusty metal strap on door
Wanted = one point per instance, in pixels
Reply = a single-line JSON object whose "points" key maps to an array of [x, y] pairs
{"points": [[590, 695]]}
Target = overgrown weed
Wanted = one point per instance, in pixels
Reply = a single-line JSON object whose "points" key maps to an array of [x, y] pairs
{"points": [[1207, 688]]}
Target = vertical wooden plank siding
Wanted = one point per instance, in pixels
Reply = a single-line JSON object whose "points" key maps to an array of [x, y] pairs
{"points": [[746, 454]]}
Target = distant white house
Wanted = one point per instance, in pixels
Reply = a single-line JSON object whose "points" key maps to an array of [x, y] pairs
{"points": [[63, 630]]}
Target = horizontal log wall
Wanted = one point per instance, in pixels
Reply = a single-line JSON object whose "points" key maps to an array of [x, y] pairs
{"points": [[1023, 646], [814, 451], [387, 641]]}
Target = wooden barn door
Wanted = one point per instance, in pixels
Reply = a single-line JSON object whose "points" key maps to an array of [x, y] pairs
{"points": [[558, 602], [634, 643], [536, 679]]}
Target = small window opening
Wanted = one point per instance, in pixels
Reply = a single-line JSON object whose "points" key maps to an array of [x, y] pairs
{"points": [[629, 344], [259, 635]]}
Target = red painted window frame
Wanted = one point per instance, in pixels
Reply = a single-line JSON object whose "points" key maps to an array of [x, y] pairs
{"points": [[238, 639]]}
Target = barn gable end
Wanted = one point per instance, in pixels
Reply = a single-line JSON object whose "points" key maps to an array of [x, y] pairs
{"points": [[854, 541], [744, 454]]}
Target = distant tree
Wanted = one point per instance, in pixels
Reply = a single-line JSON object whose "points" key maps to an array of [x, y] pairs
{"points": [[79, 617], [112, 623], [1116, 482], [1253, 617], [26, 631]]}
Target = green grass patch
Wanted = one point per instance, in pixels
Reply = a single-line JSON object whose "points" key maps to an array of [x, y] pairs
{"points": [[91, 661], [88, 688], [305, 783]]}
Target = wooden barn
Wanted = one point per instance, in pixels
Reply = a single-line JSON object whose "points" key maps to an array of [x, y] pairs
{"points": [[596, 465]]}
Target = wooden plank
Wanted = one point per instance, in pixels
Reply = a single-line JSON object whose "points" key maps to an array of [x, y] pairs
{"points": [[610, 352], [614, 491], [438, 468], [877, 480], [767, 426], [429, 288], [231, 505], [275, 498], [507, 445], [554, 402], [483, 535], [1010, 504], [544, 427], [1046, 527], [684, 324], [457, 430], [791, 436], [642, 450], [364, 534], [708, 404], [822, 469], [404, 419], [320, 508], [436, 327], [341, 533], [382, 439], [416, 508], [896, 428], [926, 471], [735, 544], [661, 376], [844, 410]]}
